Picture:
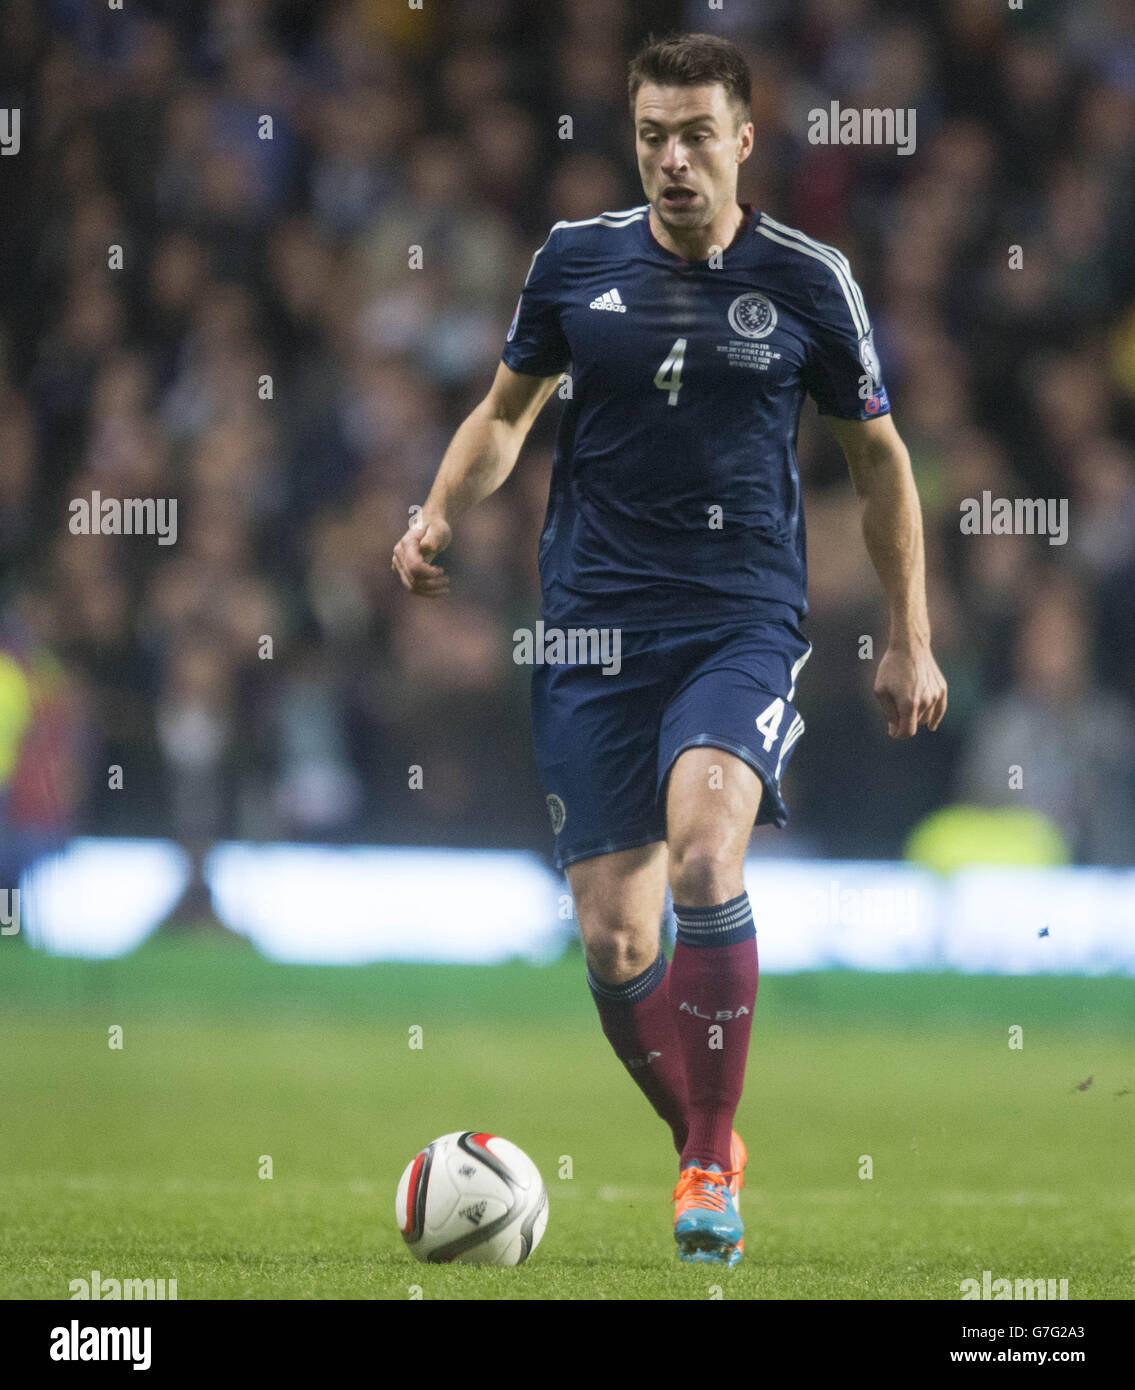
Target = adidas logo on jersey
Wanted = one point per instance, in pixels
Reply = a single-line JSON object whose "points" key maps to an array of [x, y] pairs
{"points": [[611, 300]]}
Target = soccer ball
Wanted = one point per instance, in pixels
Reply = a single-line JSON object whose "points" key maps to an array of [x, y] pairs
{"points": [[472, 1198]]}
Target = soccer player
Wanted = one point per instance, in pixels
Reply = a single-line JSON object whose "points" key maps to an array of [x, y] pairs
{"points": [[690, 328]]}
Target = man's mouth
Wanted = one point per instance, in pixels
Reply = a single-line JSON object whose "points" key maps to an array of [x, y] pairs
{"points": [[678, 196]]}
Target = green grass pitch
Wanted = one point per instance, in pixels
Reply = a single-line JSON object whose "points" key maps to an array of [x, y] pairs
{"points": [[143, 1162]]}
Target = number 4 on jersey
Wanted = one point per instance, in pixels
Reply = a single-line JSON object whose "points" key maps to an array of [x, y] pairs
{"points": [[769, 722], [673, 365]]}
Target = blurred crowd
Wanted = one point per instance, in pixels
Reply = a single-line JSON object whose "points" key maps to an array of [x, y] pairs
{"points": [[270, 352]]}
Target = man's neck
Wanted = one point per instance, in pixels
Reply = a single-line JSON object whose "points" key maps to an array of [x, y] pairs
{"points": [[699, 243]]}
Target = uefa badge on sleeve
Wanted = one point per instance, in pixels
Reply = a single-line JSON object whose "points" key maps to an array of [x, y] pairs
{"points": [[869, 358]]}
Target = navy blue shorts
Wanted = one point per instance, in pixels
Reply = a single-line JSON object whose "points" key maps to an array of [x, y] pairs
{"points": [[605, 743]]}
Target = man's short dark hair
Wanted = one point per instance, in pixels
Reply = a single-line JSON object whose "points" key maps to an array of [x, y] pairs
{"points": [[693, 60]]}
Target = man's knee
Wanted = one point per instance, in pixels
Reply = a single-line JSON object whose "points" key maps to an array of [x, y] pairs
{"points": [[617, 949], [618, 901], [709, 825], [703, 872]]}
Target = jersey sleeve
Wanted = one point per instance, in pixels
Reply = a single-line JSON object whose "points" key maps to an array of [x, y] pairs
{"points": [[535, 344], [843, 374]]}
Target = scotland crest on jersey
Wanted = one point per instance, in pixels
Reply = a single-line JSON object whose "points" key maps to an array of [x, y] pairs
{"points": [[752, 315]]}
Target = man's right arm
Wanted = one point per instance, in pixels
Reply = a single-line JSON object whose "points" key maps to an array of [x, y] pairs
{"points": [[480, 457]]}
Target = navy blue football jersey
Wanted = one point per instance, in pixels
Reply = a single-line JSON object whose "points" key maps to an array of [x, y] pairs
{"points": [[675, 493]]}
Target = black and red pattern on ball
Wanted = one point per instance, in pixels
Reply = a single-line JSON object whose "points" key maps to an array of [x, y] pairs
{"points": [[477, 1145], [416, 1197]]}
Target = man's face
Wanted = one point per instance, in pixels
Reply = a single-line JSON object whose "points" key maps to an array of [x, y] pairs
{"points": [[687, 138]]}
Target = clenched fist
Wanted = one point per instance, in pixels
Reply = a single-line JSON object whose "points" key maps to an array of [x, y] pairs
{"points": [[424, 540], [911, 690]]}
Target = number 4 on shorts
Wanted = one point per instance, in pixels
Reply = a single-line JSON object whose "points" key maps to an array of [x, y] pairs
{"points": [[768, 721]]}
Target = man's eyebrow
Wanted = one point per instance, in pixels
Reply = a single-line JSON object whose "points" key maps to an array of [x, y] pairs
{"points": [[694, 120]]}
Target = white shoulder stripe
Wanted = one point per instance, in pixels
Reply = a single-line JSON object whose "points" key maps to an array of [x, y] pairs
{"points": [[803, 236], [532, 262], [851, 291], [605, 219], [837, 263], [823, 248], [609, 219]]}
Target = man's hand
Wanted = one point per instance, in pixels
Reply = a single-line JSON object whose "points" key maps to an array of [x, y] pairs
{"points": [[911, 690], [425, 539]]}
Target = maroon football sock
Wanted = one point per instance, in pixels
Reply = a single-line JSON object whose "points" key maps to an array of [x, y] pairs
{"points": [[638, 1022], [713, 992]]}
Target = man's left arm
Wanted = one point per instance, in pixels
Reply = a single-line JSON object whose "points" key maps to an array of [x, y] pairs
{"points": [[908, 684]]}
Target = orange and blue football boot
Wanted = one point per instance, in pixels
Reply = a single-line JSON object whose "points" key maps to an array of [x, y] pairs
{"points": [[738, 1157], [707, 1226]]}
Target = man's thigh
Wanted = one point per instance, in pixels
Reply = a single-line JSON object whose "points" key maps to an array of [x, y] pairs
{"points": [[626, 889], [596, 745], [712, 801], [737, 700]]}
